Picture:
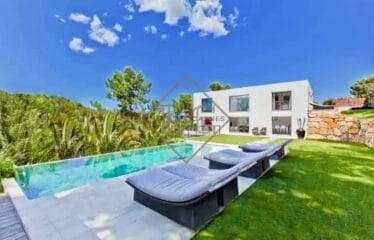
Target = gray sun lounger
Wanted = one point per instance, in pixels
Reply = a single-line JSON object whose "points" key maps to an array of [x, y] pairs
{"points": [[255, 147], [187, 194], [253, 162], [250, 165], [262, 147]]}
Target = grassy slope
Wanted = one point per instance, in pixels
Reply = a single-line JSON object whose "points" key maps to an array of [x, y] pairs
{"points": [[361, 114], [229, 139], [321, 190]]}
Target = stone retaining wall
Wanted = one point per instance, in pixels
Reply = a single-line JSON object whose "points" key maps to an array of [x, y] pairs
{"points": [[329, 124]]}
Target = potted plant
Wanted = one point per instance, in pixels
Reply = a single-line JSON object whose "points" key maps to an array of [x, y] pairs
{"points": [[300, 131]]}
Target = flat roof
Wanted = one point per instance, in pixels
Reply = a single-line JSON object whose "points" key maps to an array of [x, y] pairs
{"points": [[262, 85]]}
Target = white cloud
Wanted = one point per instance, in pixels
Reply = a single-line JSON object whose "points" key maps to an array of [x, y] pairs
{"points": [[102, 34], [130, 6], [79, 17], [129, 17], [77, 45], [233, 18], [204, 16], [173, 9], [127, 38], [88, 50], [150, 29], [181, 34], [164, 36], [118, 27], [61, 19]]}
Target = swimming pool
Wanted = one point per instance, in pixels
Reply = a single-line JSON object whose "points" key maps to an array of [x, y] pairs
{"points": [[50, 178]]}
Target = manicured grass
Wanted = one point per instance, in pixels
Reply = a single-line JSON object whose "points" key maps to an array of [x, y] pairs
{"points": [[229, 139], [321, 190], [361, 114]]}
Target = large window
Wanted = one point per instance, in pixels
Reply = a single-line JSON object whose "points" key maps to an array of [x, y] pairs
{"points": [[282, 101], [239, 103], [206, 105], [281, 125], [239, 124]]}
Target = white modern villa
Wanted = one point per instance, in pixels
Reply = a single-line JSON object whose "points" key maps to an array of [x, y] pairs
{"points": [[274, 110]]}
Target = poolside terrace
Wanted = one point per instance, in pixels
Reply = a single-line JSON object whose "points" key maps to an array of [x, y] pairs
{"points": [[103, 210]]}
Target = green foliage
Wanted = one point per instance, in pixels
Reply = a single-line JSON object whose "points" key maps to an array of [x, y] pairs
{"points": [[364, 88], [328, 102], [216, 86], [320, 190], [29, 124], [97, 105], [360, 113], [66, 140], [129, 89], [106, 134], [37, 128], [183, 104], [6, 168], [158, 129], [155, 106]]}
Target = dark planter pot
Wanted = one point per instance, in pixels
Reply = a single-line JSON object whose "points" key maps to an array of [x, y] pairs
{"points": [[300, 133]]}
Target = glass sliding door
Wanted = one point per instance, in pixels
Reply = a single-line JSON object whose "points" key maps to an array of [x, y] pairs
{"points": [[239, 124], [281, 125]]}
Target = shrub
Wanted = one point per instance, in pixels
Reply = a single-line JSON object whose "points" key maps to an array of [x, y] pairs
{"points": [[6, 169]]}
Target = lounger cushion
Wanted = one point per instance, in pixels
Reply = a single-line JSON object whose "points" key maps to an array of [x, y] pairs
{"points": [[170, 187], [233, 157], [255, 147], [214, 177], [272, 150]]}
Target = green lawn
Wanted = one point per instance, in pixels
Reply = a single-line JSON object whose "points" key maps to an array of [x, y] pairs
{"points": [[321, 190], [229, 139], [361, 114]]}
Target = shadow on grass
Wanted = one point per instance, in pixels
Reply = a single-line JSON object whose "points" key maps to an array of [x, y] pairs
{"points": [[321, 190]]}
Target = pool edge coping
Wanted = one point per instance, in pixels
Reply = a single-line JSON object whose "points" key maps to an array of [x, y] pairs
{"points": [[103, 154]]}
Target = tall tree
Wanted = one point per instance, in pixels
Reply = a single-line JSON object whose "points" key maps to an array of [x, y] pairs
{"points": [[129, 89], [154, 106], [364, 88], [183, 104], [216, 86]]}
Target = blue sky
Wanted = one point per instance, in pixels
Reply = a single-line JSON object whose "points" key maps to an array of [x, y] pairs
{"points": [[70, 48]]}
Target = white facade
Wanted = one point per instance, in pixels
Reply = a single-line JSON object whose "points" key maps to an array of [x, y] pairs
{"points": [[272, 108]]}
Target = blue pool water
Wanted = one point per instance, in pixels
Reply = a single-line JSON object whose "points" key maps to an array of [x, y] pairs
{"points": [[46, 179]]}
